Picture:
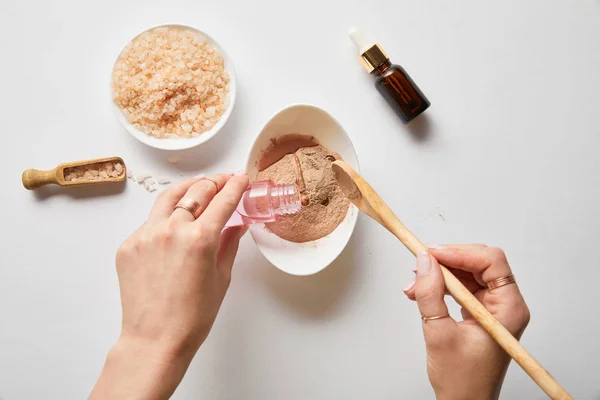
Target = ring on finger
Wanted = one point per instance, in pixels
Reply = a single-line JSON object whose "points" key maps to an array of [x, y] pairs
{"points": [[425, 319], [198, 197], [502, 281], [190, 205], [214, 183]]}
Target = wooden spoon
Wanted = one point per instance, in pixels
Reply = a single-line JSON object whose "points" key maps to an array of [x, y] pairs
{"points": [[33, 178], [369, 202]]}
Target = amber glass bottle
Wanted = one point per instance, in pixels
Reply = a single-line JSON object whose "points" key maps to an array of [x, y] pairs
{"points": [[391, 80]]}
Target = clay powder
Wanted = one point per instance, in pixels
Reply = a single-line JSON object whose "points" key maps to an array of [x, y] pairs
{"points": [[324, 204]]}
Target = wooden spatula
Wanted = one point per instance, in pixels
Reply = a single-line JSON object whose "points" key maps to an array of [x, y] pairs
{"points": [[33, 178], [368, 201]]}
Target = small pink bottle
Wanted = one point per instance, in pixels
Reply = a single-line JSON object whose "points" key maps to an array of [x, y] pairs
{"points": [[265, 201]]}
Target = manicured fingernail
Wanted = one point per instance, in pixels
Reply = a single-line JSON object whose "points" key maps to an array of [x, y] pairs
{"points": [[201, 176], [241, 172], [410, 286], [423, 263]]}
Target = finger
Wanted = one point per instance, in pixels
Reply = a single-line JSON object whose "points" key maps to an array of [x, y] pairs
{"points": [[167, 200], [224, 204], [486, 263], [202, 192], [467, 279], [228, 247], [460, 246], [429, 293], [409, 290]]}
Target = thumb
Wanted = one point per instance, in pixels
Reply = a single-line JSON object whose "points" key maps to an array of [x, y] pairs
{"points": [[429, 290]]}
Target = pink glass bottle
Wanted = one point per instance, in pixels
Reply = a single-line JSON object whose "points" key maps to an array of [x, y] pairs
{"points": [[264, 201]]}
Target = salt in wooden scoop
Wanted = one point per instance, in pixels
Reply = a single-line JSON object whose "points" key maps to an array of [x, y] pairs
{"points": [[33, 178], [368, 201]]}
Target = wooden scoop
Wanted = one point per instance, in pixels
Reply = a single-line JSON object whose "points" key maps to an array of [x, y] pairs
{"points": [[33, 178], [368, 201]]}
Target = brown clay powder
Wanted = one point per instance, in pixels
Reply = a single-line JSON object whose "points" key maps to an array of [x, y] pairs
{"points": [[324, 204]]}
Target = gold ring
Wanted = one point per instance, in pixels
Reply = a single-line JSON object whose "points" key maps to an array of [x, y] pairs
{"points": [[190, 205], [503, 281], [425, 319], [214, 183]]}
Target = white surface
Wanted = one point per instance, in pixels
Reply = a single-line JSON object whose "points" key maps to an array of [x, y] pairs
{"points": [[507, 156], [310, 257], [185, 143]]}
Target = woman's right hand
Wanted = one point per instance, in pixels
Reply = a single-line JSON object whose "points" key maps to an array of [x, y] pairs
{"points": [[463, 361]]}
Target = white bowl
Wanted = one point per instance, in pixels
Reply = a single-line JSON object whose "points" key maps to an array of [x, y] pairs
{"points": [[184, 143], [310, 257]]}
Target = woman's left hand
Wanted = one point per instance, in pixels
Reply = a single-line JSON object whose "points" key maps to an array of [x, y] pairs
{"points": [[173, 274]]}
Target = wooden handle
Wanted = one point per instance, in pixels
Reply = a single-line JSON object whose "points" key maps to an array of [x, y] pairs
{"points": [[34, 178], [368, 201]]}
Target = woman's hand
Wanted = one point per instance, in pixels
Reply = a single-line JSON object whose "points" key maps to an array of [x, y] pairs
{"points": [[173, 275], [463, 361]]}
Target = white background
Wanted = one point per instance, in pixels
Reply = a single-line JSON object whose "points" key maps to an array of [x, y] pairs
{"points": [[506, 155]]}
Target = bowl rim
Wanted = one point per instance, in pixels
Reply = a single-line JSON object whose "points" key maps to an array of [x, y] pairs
{"points": [[174, 144], [353, 211]]}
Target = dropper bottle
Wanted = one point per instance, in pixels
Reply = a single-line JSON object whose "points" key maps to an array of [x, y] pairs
{"points": [[391, 80], [264, 202]]}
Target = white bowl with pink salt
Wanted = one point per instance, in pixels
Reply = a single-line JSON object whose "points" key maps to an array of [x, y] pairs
{"points": [[297, 146], [173, 87]]}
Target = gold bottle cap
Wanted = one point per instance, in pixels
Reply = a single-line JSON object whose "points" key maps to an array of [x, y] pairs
{"points": [[371, 54], [373, 57]]}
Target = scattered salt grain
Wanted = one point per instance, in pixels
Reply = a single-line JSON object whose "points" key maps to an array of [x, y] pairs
{"points": [[149, 184], [147, 181], [142, 177]]}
